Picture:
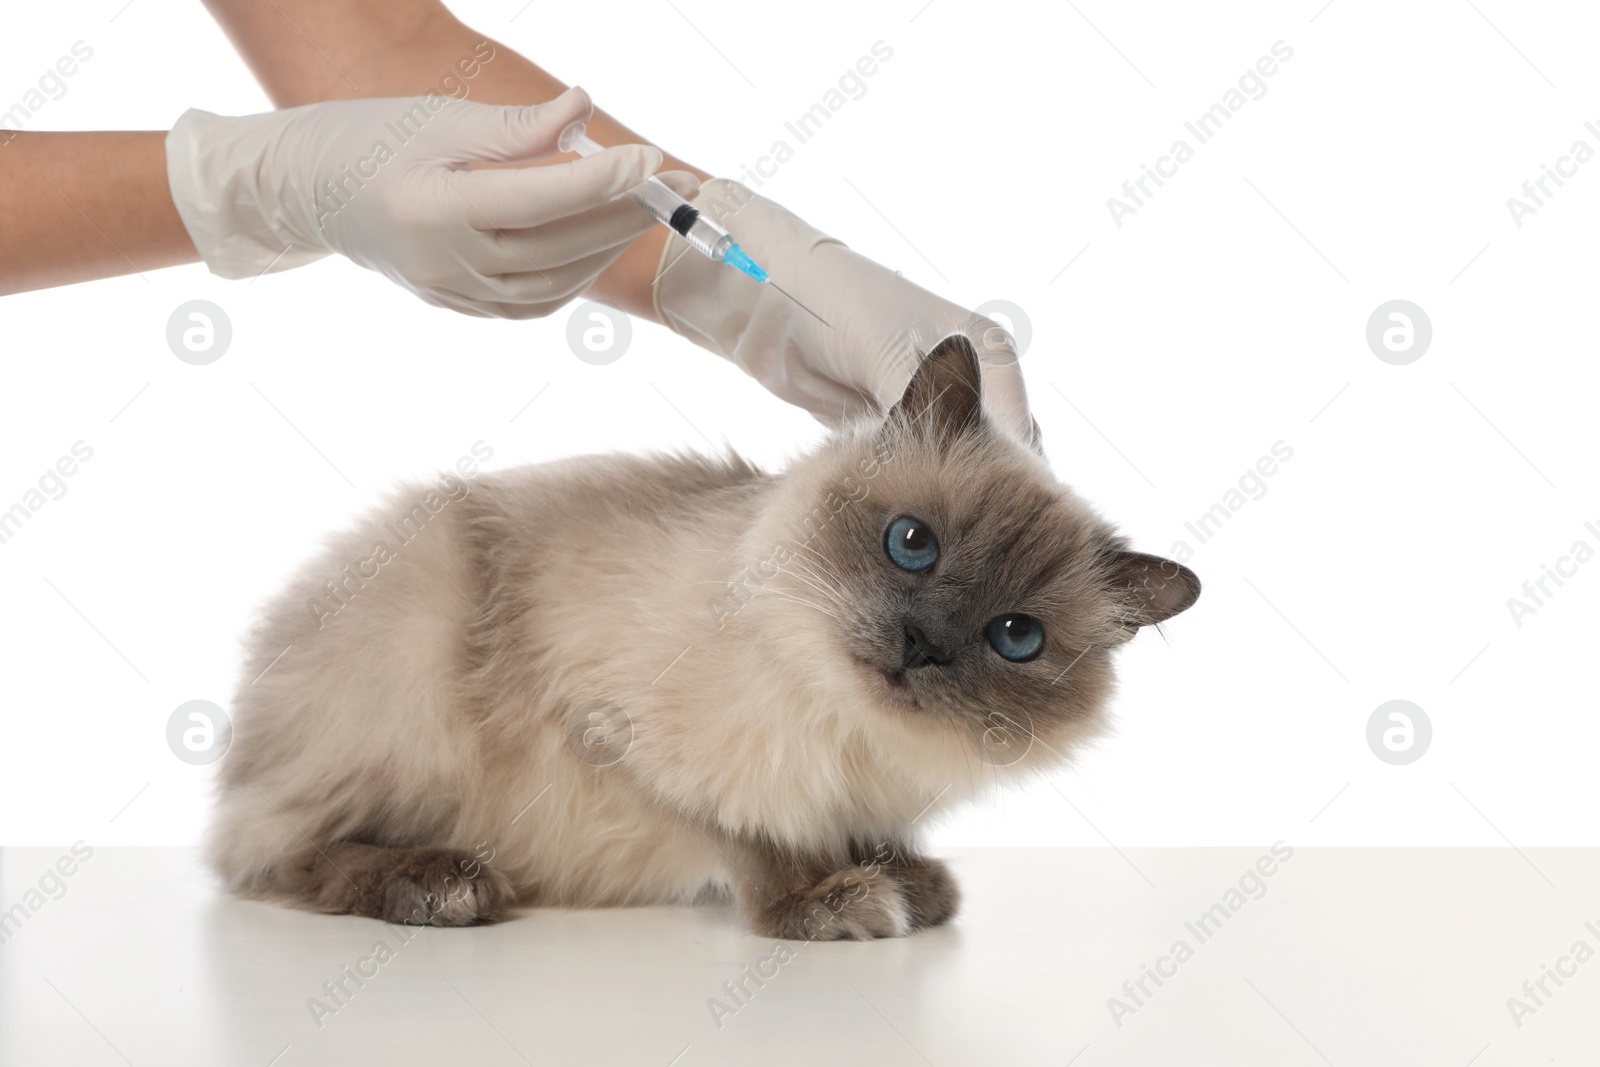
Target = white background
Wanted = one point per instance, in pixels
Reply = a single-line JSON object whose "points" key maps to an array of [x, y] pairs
{"points": [[1229, 313]]}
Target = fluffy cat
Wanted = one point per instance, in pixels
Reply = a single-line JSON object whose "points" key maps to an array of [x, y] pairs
{"points": [[622, 680]]}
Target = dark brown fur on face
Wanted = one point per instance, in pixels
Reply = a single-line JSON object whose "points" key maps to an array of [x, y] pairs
{"points": [[1011, 540]]}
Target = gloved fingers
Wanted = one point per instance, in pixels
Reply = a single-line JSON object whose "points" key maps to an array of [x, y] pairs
{"points": [[829, 402], [618, 222], [566, 240], [782, 370], [494, 134], [452, 301], [992, 340], [480, 272], [485, 304], [501, 309], [524, 197], [889, 363], [458, 289], [465, 272], [552, 286], [491, 309], [1005, 395], [522, 312], [681, 182], [556, 285], [1004, 392]]}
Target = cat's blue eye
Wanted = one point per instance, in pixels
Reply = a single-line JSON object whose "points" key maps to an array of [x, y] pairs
{"points": [[1017, 637], [911, 544]]}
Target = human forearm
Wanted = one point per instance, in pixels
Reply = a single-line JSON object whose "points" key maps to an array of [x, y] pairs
{"points": [[304, 51], [79, 206], [842, 336]]}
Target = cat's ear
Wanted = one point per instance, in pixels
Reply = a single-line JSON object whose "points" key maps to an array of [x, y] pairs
{"points": [[1152, 588], [946, 391]]}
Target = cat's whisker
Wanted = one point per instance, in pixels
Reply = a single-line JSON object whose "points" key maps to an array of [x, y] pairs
{"points": [[811, 578], [832, 580], [821, 572], [809, 547], [780, 595], [826, 569], [807, 601], [811, 575], [819, 586], [826, 563], [820, 589], [751, 562]]}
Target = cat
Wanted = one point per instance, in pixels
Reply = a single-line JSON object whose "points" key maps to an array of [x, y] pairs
{"points": [[624, 680]]}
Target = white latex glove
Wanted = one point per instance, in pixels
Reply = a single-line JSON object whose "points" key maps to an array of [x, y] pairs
{"points": [[878, 324], [390, 184]]}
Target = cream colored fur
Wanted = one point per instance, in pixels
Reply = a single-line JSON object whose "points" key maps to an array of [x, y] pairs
{"points": [[438, 705]]}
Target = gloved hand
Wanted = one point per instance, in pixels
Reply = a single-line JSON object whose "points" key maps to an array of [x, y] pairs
{"points": [[390, 184], [878, 325]]}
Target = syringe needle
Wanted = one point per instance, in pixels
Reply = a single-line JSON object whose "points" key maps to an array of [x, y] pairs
{"points": [[705, 235], [801, 306]]}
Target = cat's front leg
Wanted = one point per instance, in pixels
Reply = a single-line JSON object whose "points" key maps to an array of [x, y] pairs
{"points": [[927, 886], [851, 904], [885, 892], [415, 886]]}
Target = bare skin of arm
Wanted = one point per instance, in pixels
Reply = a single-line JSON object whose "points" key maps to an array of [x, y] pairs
{"points": [[62, 221], [306, 51]]}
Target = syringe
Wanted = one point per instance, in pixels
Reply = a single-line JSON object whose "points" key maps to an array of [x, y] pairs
{"points": [[673, 211]]}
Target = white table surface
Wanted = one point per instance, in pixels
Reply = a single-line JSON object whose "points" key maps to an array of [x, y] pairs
{"points": [[1377, 956]]}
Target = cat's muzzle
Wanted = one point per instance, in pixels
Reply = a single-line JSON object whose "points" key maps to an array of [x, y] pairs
{"points": [[920, 651]]}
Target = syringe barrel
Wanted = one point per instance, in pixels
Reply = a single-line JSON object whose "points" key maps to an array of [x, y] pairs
{"points": [[682, 217]]}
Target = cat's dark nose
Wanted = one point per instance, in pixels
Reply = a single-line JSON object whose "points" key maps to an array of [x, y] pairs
{"points": [[919, 651]]}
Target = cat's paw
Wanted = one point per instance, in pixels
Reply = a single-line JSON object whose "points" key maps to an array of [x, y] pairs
{"points": [[855, 904], [434, 887], [929, 889]]}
